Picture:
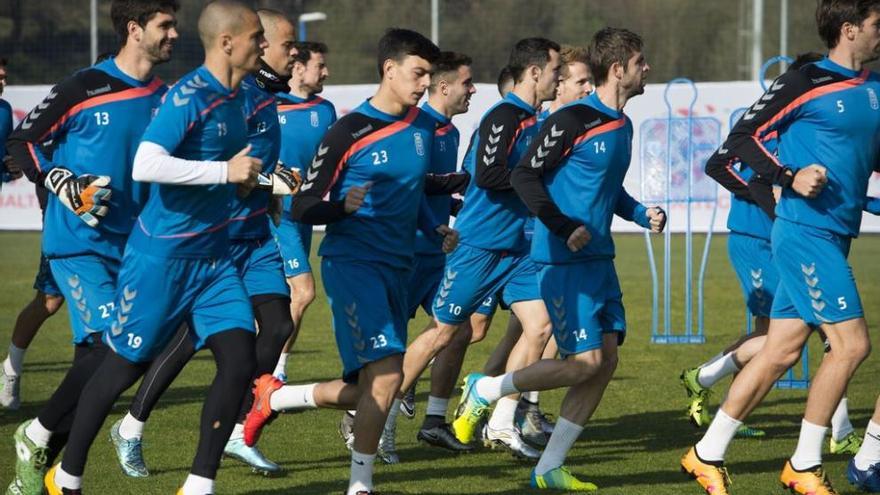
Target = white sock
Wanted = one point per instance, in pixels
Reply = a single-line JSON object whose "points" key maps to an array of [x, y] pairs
{"points": [[717, 369], [352, 412], [131, 428], [840, 425], [531, 396], [38, 434], [15, 360], [293, 398], [281, 365], [502, 416], [197, 485], [237, 432], [809, 447], [65, 480], [361, 472], [714, 443], [391, 420], [869, 454], [564, 435], [493, 388], [437, 406]]}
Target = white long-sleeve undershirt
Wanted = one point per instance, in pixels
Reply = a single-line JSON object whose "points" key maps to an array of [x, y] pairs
{"points": [[153, 163]]}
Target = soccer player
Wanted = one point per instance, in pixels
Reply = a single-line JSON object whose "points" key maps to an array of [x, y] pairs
{"points": [[505, 81], [305, 118], [176, 265], [96, 119], [493, 257], [863, 470], [752, 260], [372, 163], [833, 102], [571, 177], [254, 254]]}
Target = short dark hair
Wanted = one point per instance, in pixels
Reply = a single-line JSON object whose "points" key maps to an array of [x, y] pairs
{"points": [[449, 62], [529, 51], [831, 15], [397, 43], [3, 62], [609, 46], [305, 49], [505, 77], [140, 11]]}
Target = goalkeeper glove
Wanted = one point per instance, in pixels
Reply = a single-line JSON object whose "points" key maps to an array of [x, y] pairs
{"points": [[86, 196], [281, 182]]}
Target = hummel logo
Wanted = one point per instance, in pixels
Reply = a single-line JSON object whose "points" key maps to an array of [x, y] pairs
{"points": [[777, 86], [363, 131], [820, 80], [497, 129], [593, 124], [98, 91], [187, 91], [554, 133], [723, 151]]}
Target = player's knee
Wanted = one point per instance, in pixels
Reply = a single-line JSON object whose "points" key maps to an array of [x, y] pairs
{"points": [[443, 335], [478, 333], [302, 295], [386, 385], [50, 302], [583, 366], [540, 335], [609, 365]]}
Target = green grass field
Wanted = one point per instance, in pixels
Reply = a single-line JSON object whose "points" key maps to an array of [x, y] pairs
{"points": [[631, 446]]}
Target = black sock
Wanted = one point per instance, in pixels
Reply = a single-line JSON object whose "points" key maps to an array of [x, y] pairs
{"points": [[234, 355], [114, 376], [162, 372]]}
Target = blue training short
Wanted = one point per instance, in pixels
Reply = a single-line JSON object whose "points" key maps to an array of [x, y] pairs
{"points": [[585, 302], [424, 282], [295, 243], [88, 282], [44, 281], [816, 281], [752, 260], [369, 306], [156, 294], [473, 274], [259, 264]]}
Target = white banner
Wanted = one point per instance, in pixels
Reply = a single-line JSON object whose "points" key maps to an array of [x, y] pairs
{"points": [[19, 209]]}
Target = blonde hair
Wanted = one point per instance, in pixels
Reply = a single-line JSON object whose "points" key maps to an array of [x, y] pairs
{"points": [[570, 54]]}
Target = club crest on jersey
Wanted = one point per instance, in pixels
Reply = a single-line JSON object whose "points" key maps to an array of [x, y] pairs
{"points": [[420, 143], [313, 118], [872, 99]]}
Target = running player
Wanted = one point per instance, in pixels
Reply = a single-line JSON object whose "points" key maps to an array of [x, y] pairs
{"points": [[254, 254], [830, 102], [494, 257], [571, 177], [96, 119], [176, 265], [305, 118], [372, 162]]}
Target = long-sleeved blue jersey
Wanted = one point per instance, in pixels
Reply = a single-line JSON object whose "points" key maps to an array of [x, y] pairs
{"points": [[572, 175], [249, 219], [303, 125], [393, 153], [444, 158], [95, 119], [825, 114], [493, 216], [200, 119]]}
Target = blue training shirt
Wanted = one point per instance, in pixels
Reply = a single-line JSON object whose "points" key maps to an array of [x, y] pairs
{"points": [[249, 219], [200, 119], [95, 119], [367, 145], [444, 159]]}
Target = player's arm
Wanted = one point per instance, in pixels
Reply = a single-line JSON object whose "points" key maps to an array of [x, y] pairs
{"points": [[443, 184], [872, 205], [627, 208], [497, 132], [772, 112], [309, 205], [761, 193], [719, 166], [546, 153]]}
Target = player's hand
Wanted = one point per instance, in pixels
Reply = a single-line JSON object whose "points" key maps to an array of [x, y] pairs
{"points": [[657, 218], [86, 196], [450, 238], [243, 169], [282, 182], [809, 181], [578, 239], [13, 171], [276, 207], [355, 197]]}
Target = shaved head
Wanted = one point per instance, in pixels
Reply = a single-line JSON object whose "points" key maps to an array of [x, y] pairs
{"points": [[273, 21], [223, 17]]}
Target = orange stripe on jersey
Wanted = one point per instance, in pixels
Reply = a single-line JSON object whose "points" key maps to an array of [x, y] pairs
{"points": [[370, 139], [442, 131], [128, 94], [33, 152], [300, 106], [261, 106], [595, 131]]}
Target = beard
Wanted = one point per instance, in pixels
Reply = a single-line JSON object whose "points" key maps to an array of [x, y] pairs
{"points": [[160, 52]]}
